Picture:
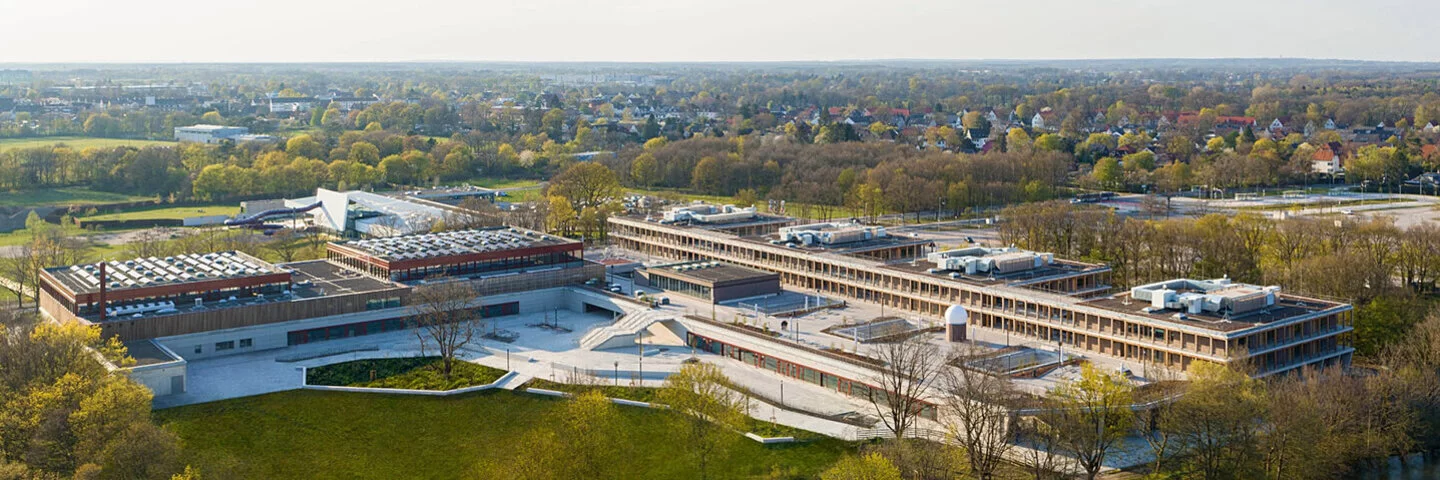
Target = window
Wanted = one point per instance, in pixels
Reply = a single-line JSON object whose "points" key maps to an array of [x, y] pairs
{"points": [[199, 349], [226, 345], [247, 342]]}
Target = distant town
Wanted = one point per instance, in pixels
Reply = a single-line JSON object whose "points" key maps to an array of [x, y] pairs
{"points": [[868, 270]]}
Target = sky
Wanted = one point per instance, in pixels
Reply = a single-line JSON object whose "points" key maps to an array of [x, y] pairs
{"points": [[125, 31]]}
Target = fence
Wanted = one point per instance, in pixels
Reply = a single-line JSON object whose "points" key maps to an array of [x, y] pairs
{"points": [[784, 304]]}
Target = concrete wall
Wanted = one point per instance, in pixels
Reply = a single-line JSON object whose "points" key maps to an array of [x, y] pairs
{"points": [[275, 335], [160, 378]]}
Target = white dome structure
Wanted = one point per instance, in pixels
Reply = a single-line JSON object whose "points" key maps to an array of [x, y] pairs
{"points": [[955, 319], [956, 315]]}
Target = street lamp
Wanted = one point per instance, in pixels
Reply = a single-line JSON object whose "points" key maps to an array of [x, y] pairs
{"points": [[617, 373]]}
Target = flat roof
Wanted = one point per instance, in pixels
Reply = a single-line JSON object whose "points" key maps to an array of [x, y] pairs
{"points": [[1286, 307], [146, 352], [312, 279], [849, 248], [709, 272], [1057, 268], [454, 243], [759, 219], [209, 128], [170, 272]]}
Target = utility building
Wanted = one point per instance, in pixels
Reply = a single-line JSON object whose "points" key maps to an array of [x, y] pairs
{"points": [[713, 281]]}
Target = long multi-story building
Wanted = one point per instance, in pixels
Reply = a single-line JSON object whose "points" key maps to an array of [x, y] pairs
{"points": [[1027, 294], [189, 307]]}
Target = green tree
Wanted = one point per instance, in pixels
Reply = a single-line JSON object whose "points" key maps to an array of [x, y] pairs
{"points": [[1108, 173], [1217, 422], [305, 146], [645, 171], [1050, 142], [708, 412], [1016, 140], [553, 123], [364, 152], [870, 466], [708, 176], [1091, 416]]}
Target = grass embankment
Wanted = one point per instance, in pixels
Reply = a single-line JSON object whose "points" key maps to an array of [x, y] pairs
{"points": [[648, 395], [502, 183], [63, 197], [1323, 204], [79, 143], [313, 434], [415, 373], [169, 213]]}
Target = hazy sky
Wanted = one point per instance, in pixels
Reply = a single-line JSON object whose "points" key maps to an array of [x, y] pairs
{"points": [[710, 30]]}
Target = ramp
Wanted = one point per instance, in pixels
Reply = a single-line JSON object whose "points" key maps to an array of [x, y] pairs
{"points": [[624, 331]]}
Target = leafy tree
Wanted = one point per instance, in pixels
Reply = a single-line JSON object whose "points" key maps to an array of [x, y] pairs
{"points": [[1017, 140], [709, 176], [1091, 416], [645, 171], [708, 412], [305, 146], [870, 466], [1050, 142], [365, 153], [1216, 422], [1108, 174]]}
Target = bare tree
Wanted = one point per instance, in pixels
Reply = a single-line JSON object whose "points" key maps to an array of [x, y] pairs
{"points": [[447, 318], [1038, 456], [977, 408], [285, 245], [149, 243], [909, 370], [473, 212]]}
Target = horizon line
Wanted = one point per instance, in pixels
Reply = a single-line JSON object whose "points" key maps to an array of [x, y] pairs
{"points": [[719, 62]]}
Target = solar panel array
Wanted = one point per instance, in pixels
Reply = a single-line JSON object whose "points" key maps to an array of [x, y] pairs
{"points": [[152, 271], [446, 244]]}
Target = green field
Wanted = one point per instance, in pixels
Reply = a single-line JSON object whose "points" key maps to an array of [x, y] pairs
{"points": [[63, 197], [490, 182], [312, 434], [78, 142], [175, 213]]}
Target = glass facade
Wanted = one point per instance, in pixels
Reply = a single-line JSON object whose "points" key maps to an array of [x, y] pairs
{"points": [[372, 327], [486, 267], [818, 377], [680, 286]]}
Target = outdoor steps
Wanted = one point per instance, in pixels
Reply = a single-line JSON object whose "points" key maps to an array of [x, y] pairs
{"points": [[628, 325]]}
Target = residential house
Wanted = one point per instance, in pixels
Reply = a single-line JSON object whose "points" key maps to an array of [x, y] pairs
{"points": [[1326, 160], [291, 104]]}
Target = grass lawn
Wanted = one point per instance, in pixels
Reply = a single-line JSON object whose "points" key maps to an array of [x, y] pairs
{"points": [[418, 373], [490, 182], [63, 197], [78, 142], [170, 212], [313, 434]]}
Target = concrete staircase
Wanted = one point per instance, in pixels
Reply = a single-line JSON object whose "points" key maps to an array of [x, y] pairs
{"points": [[623, 332]]}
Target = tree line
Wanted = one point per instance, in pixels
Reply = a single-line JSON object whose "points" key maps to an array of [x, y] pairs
{"points": [[1389, 273]]}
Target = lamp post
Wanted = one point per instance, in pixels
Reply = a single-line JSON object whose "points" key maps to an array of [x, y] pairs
{"points": [[617, 373], [507, 358]]}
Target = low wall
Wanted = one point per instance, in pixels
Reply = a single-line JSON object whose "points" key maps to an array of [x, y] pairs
{"points": [[138, 223], [405, 391]]}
